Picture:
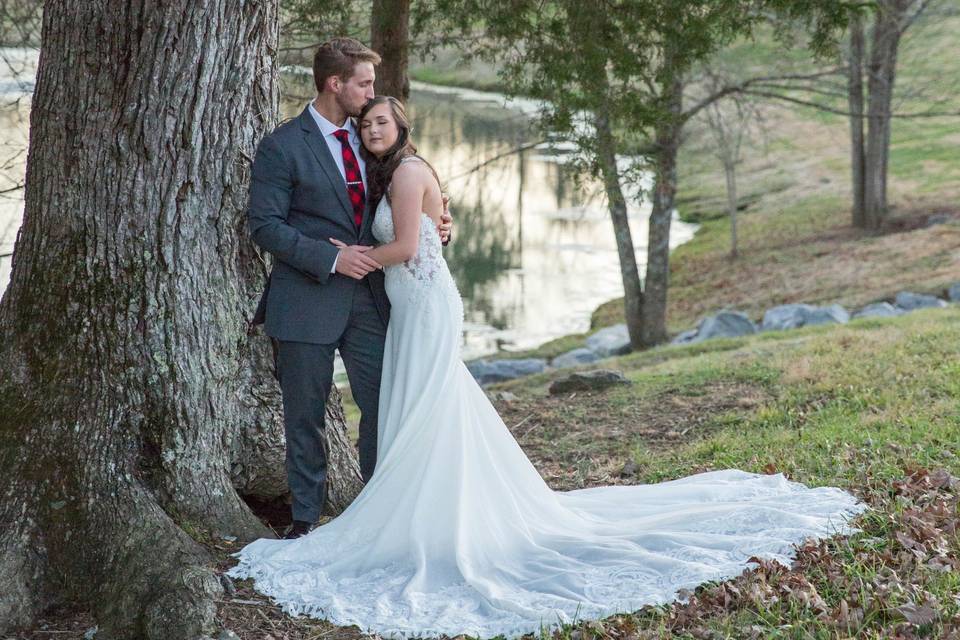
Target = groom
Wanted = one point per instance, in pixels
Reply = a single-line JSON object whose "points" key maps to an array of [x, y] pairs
{"points": [[309, 185]]}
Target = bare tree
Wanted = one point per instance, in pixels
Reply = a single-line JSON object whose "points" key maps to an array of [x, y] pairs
{"points": [[731, 121], [893, 17], [855, 102], [134, 409]]}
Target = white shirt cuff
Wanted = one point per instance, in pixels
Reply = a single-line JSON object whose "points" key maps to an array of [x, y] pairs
{"points": [[333, 269]]}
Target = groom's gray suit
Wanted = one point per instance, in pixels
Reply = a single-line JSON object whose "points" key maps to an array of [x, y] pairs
{"points": [[298, 200]]}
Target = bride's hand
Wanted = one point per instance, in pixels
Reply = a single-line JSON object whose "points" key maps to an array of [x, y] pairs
{"points": [[446, 221], [352, 260]]}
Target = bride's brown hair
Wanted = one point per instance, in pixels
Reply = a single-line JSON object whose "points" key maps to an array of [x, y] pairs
{"points": [[380, 170]]}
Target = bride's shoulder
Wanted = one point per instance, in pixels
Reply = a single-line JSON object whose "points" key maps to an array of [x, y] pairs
{"points": [[412, 170]]}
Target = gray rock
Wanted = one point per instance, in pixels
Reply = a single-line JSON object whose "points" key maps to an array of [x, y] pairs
{"points": [[834, 314], [490, 371], [90, 633], [226, 634], [596, 380], [726, 324], [938, 218], [953, 293], [572, 358], [685, 337], [504, 396], [785, 316], [879, 310], [611, 341], [909, 301], [794, 316], [228, 587]]}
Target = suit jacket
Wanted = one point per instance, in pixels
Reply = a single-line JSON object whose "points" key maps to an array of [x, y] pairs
{"points": [[298, 200]]}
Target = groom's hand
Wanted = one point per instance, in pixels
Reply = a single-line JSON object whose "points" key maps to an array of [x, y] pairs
{"points": [[352, 260], [446, 221]]}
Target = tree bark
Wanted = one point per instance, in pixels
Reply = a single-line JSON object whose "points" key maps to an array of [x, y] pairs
{"points": [[633, 299], [667, 145], [132, 401], [855, 104], [730, 172], [389, 36], [881, 75]]}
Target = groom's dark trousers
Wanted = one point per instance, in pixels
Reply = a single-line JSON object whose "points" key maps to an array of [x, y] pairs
{"points": [[298, 201]]}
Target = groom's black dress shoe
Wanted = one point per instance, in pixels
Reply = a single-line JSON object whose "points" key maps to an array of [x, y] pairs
{"points": [[297, 529]]}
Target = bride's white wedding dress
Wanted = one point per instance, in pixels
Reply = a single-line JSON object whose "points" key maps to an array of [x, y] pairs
{"points": [[457, 533]]}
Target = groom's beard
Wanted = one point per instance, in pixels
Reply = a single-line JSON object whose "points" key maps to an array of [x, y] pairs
{"points": [[352, 111]]}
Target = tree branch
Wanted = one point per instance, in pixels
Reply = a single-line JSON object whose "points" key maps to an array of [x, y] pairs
{"points": [[841, 112], [499, 156], [742, 86]]}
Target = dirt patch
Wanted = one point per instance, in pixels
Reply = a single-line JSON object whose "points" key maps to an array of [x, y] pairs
{"points": [[838, 264], [62, 623], [584, 439], [253, 616]]}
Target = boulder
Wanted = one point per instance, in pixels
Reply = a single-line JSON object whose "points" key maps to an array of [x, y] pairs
{"points": [[581, 355], [938, 218], [490, 371], [685, 338], [611, 341], [909, 301], [794, 316], [833, 314], [953, 293], [786, 316], [726, 324], [596, 380], [879, 310]]}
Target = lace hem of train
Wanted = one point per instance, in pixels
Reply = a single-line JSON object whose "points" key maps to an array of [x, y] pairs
{"points": [[379, 602]]}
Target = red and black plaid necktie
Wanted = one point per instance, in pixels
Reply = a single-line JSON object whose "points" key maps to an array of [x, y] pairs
{"points": [[354, 180]]}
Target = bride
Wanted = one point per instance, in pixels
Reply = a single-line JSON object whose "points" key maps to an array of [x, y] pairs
{"points": [[456, 532]]}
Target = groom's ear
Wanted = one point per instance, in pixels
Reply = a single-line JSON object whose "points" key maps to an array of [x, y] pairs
{"points": [[333, 84]]}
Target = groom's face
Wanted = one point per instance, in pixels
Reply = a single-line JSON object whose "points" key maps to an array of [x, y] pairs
{"points": [[355, 92]]}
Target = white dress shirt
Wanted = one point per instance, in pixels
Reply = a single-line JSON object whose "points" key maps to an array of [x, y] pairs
{"points": [[327, 128]]}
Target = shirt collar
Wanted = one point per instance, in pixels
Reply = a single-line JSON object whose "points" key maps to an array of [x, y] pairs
{"points": [[327, 128]]}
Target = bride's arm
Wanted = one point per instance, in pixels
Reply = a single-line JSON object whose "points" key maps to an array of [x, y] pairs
{"points": [[409, 186]]}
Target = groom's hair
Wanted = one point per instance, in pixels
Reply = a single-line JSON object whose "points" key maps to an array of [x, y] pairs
{"points": [[338, 57]]}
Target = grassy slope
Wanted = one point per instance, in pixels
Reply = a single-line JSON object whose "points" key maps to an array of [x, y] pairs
{"points": [[856, 406], [795, 238]]}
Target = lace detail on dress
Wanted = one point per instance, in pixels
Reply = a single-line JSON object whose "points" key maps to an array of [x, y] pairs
{"points": [[424, 274]]}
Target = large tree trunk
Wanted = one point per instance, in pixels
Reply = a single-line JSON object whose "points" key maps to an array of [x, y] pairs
{"points": [[132, 401], [389, 36], [855, 103], [667, 145], [617, 204], [881, 75]]}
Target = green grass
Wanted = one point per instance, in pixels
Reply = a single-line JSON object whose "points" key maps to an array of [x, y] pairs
{"points": [[858, 406]]}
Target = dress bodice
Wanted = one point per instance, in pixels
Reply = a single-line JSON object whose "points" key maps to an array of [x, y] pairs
{"points": [[425, 275]]}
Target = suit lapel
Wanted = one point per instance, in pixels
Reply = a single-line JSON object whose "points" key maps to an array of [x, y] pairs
{"points": [[314, 139]]}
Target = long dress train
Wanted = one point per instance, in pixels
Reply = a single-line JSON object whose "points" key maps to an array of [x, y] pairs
{"points": [[457, 532]]}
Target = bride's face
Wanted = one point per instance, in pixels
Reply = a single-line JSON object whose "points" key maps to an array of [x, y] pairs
{"points": [[378, 129]]}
